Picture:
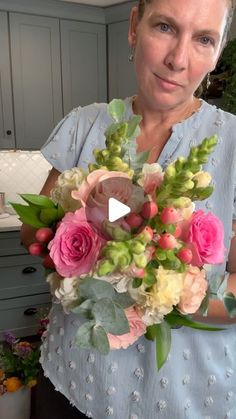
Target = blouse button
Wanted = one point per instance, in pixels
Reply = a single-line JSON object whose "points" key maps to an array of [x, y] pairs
{"points": [[141, 348], [90, 379], [59, 351], [229, 372], [91, 358], [211, 380], [60, 369], [51, 338], [228, 415], [113, 367], [72, 385], [61, 331], [135, 396], [88, 397], [187, 405], [54, 320], [161, 405], [110, 391], [109, 411], [186, 380], [164, 382], [229, 395], [72, 365], [208, 401], [133, 416], [88, 414], [186, 354], [139, 373]]}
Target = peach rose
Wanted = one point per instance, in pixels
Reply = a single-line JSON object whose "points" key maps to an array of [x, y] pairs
{"points": [[137, 329], [100, 185], [151, 177], [194, 290]]}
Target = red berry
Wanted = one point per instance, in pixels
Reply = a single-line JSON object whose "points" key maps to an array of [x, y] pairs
{"points": [[134, 220], [167, 241], [149, 210], [36, 249], [48, 262], [169, 215], [44, 234], [185, 255], [178, 231], [146, 234]]}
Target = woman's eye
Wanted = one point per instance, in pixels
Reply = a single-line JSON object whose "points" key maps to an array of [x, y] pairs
{"points": [[205, 40], [164, 27]]}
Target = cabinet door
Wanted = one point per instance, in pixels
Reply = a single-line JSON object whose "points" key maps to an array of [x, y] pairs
{"points": [[83, 53], [121, 74], [36, 73], [7, 139]]}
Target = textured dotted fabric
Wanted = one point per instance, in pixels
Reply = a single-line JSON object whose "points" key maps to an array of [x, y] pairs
{"points": [[199, 379]]}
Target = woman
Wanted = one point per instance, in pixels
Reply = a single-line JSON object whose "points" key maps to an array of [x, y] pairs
{"points": [[175, 45]]}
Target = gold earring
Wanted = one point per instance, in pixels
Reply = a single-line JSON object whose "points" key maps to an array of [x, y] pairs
{"points": [[208, 81], [131, 54]]}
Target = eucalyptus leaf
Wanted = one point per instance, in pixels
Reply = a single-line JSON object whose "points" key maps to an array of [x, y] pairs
{"points": [[163, 343], [133, 126], [84, 308], [110, 316], [100, 340], [116, 109], [28, 215], [123, 299], [229, 301], [83, 337], [41, 201], [95, 289], [137, 160], [204, 305], [217, 286]]}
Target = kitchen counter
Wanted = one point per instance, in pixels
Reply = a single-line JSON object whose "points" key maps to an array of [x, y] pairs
{"points": [[11, 223]]}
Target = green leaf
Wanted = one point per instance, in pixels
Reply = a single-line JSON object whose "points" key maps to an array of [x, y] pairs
{"points": [[95, 289], [28, 215], [229, 301], [123, 299], [217, 286], [204, 305], [151, 332], [133, 126], [116, 109], [110, 316], [137, 282], [41, 201], [100, 340], [49, 215], [163, 343], [84, 308], [180, 320], [83, 337]]}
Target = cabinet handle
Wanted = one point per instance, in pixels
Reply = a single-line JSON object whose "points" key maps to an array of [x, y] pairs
{"points": [[30, 311], [29, 270], [8, 132]]}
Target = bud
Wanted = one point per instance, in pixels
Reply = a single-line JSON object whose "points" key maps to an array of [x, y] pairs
{"points": [[169, 215], [134, 220], [170, 171], [189, 184], [137, 247], [182, 202], [140, 261], [185, 255], [149, 210], [202, 179], [145, 235], [105, 267]]}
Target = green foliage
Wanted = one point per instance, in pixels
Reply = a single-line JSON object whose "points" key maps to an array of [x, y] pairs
{"points": [[41, 211]]}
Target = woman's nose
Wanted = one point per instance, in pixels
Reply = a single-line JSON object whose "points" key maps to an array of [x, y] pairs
{"points": [[177, 57]]}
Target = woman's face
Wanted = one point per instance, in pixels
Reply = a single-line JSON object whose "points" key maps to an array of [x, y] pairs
{"points": [[176, 44]]}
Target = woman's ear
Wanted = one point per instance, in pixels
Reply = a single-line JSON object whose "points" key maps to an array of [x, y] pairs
{"points": [[133, 22]]}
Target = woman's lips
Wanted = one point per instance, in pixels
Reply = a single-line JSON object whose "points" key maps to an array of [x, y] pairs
{"points": [[167, 84]]}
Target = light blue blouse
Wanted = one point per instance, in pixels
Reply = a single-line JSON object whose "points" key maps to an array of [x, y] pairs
{"points": [[199, 379]]}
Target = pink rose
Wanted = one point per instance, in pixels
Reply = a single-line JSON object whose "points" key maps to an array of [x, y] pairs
{"points": [[76, 245], [205, 237], [137, 329], [100, 185], [194, 290]]}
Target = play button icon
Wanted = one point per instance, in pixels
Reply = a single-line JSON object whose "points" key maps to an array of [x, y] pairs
{"points": [[116, 210]]}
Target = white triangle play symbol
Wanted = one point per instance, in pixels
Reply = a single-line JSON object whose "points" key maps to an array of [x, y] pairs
{"points": [[116, 209]]}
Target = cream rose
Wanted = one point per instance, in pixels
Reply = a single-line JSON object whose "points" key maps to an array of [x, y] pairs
{"points": [[67, 182], [194, 290]]}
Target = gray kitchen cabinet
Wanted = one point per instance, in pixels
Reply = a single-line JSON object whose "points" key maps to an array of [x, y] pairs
{"points": [[83, 56], [36, 78], [122, 79], [24, 293], [7, 138]]}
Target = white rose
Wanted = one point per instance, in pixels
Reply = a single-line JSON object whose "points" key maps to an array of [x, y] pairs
{"points": [[203, 179], [68, 292]]}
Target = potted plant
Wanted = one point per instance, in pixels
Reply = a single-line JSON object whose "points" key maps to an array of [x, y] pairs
{"points": [[223, 80], [19, 367]]}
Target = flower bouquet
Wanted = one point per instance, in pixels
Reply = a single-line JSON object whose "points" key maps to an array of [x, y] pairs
{"points": [[19, 364], [142, 274]]}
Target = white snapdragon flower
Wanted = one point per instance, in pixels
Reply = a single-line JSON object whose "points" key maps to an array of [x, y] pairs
{"points": [[67, 182]]}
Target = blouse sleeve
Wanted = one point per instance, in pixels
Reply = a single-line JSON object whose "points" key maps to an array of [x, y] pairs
{"points": [[65, 143]]}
